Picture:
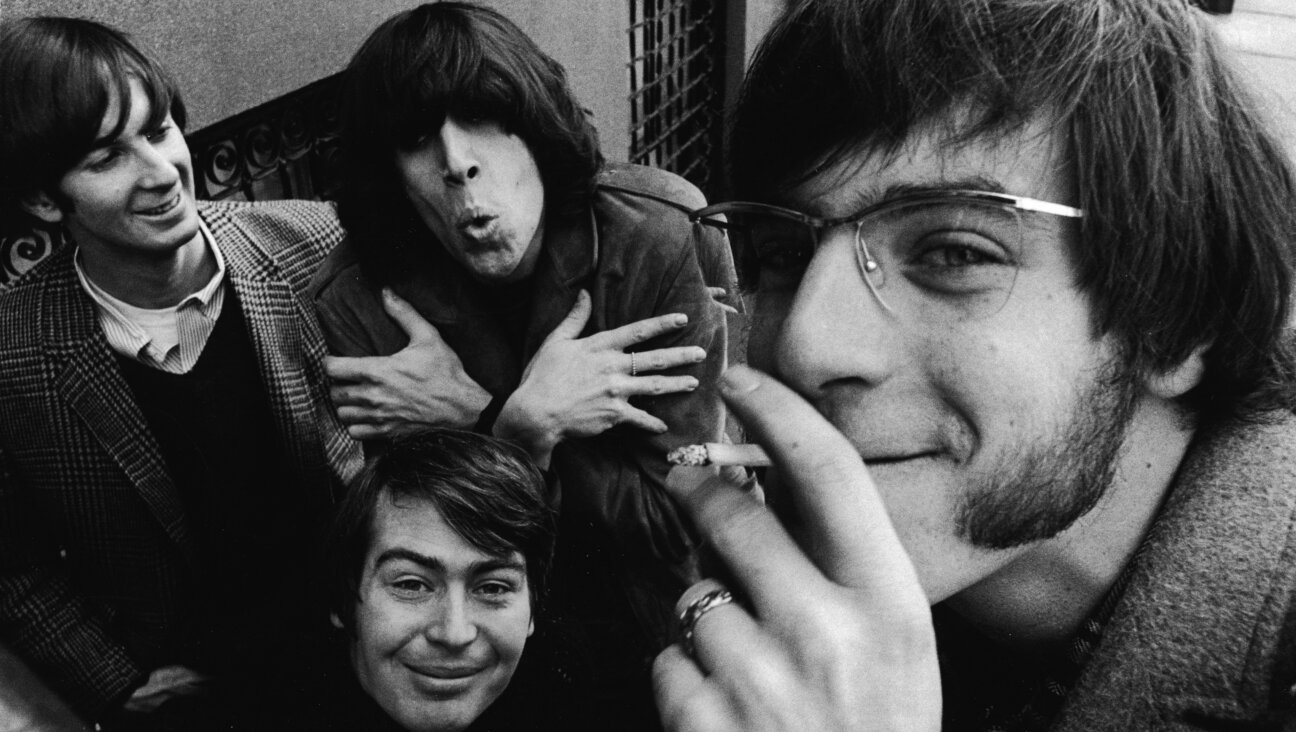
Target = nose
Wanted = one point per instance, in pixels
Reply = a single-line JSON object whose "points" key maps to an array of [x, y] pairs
{"points": [[158, 170], [451, 623], [835, 331], [461, 160]]}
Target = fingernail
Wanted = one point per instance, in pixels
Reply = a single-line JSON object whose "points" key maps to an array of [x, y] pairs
{"points": [[739, 380], [700, 355], [693, 384], [680, 319], [387, 293]]}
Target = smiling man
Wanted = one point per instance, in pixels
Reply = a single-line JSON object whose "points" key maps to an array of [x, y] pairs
{"points": [[498, 276], [1023, 279], [439, 558], [164, 421]]}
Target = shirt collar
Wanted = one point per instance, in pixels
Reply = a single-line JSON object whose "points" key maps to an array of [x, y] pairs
{"points": [[125, 334], [204, 295]]}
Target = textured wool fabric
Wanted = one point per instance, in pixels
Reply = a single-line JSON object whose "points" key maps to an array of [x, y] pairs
{"points": [[94, 543], [1204, 636]]}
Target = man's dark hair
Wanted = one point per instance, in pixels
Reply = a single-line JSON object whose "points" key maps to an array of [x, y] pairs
{"points": [[57, 76], [1191, 208], [451, 58], [489, 491]]}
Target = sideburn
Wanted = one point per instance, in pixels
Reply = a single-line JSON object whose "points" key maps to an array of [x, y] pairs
{"points": [[1042, 488]]}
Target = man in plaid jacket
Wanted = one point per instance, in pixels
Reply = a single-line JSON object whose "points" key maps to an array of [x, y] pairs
{"points": [[167, 446]]}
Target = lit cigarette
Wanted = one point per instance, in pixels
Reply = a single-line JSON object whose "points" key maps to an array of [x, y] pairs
{"points": [[718, 453]]}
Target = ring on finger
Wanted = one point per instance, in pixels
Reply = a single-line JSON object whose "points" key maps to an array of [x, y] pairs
{"points": [[694, 611], [633, 371]]}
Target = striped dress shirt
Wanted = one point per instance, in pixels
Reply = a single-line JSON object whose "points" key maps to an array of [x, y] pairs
{"points": [[168, 339]]}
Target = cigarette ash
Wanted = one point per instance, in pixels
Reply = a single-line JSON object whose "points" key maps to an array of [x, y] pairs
{"points": [[689, 455]]}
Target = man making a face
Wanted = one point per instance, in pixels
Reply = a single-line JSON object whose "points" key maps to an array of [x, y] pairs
{"points": [[164, 421], [1026, 267]]}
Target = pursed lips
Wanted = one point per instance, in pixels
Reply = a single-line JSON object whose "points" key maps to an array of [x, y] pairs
{"points": [[479, 229], [473, 215]]}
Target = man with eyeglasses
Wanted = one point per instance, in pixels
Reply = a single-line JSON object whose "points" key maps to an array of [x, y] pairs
{"points": [[1021, 277]]}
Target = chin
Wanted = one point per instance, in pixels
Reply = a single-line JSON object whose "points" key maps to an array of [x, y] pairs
{"points": [[495, 273], [439, 720], [178, 240]]}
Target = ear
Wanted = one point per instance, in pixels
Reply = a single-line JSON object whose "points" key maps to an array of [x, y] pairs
{"points": [[336, 621], [531, 626], [1177, 380], [40, 205]]}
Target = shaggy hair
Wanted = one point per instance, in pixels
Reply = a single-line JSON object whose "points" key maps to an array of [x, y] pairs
{"points": [[1191, 209], [451, 58]]}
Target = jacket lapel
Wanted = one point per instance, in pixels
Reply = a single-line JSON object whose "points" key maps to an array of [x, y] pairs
{"points": [[570, 256], [285, 336], [1199, 607], [88, 379]]}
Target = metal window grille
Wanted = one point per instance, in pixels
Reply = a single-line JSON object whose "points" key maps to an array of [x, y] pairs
{"points": [[676, 86]]}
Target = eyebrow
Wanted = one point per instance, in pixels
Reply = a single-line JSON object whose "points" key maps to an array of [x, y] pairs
{"points": [[866, 198], [433, 564]]}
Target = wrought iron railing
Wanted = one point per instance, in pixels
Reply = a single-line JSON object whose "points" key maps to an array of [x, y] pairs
{"points": [[286, 148]]}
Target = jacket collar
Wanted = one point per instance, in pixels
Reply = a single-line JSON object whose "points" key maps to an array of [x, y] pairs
{"points": [[88, 378], [1199, 611]]}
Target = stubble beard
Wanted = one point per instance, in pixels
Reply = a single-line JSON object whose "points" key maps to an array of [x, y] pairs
{"points": [[1040, 489]]}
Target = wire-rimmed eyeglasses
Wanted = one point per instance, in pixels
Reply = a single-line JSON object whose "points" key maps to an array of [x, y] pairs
{"points": [[936, 254]]}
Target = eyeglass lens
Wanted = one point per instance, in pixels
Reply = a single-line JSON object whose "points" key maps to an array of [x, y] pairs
{"points": [[925, 260]]}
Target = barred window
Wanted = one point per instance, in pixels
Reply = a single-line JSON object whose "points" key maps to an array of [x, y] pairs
{"points": [[676, 83]]}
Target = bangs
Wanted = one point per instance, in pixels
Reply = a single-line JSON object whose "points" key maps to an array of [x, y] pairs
{"points": [[63, 73], [428, 74], [89, 82], [837, 77], [118, 80], [467, 89]]}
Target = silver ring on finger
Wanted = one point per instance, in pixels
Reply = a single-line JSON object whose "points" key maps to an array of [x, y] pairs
{"points": [[633, 371], [691, 614]]}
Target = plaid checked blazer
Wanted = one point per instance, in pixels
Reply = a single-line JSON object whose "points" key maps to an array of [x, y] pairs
{"points": [[93, 540]]}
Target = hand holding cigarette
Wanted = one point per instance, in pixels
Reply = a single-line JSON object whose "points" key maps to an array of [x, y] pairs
{"points": [[837, 622]]}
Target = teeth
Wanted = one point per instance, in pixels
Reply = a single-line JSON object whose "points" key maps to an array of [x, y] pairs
{"points": [[163, 208]]}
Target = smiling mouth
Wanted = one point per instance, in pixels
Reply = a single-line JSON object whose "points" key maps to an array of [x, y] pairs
{"points": [[162, 209], [445, 673], [897, 459]]}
